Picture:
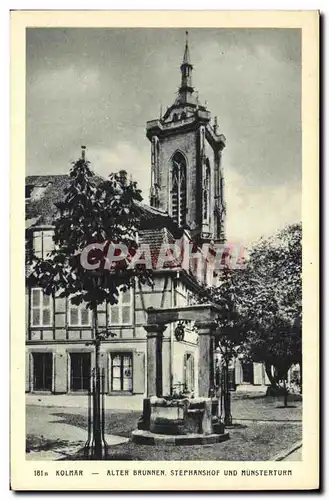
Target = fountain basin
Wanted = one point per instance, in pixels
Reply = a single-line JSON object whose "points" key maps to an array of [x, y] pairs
{"points": [[180, 417]]}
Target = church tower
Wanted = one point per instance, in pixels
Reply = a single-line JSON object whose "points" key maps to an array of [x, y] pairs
{"points": [[186, 162]]}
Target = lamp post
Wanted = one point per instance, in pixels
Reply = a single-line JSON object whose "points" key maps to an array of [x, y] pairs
{"points": [[97, 396], [225, 393], [96, 446]]}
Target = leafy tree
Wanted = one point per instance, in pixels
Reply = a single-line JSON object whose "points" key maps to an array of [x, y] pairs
{"points": [[273, 282], [261, 306], [94, 211]]}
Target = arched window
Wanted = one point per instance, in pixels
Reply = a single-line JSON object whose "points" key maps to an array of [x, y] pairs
{"points": [[221, 188], [175, 117], [178, 192], [206, 191]]}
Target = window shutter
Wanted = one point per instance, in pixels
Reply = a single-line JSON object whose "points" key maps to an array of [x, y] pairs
{"points": [[27, 371], [60, 373], [185, 369], [138, 372], [85, 317], [238, 370], [258, 374], [109, 372], [37, 244], [36, 297], [74, 316], [48, 244]]}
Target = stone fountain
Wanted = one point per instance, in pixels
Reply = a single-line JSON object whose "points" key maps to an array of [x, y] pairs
{"points": [[185, 420]]}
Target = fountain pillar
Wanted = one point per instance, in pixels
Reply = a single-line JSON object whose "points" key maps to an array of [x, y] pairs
{"points": [[154, 359], [206, 358]]}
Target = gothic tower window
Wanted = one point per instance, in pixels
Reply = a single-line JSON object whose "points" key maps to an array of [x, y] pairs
{"points": [[221, 188], [206, 191], [178, 192]]}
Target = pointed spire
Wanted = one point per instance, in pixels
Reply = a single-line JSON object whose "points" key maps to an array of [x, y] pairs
{"points": [[186, 88], [186, 58]]}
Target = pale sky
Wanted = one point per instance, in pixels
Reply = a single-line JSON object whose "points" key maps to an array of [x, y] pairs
{"points": [[98, 87]]}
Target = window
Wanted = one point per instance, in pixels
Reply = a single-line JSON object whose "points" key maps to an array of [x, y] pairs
{"points": [[41, 308], [122, 312], [121, 367], [79, 315], [175, 117], [206, 191], [37, 192], [178, 193], [43, 243], [42, 371], [221, 189], [80, 371]]}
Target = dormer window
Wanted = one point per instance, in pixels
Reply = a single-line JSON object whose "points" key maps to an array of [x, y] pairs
{"points": [[38, 192], [175, 117], [35, 192]]}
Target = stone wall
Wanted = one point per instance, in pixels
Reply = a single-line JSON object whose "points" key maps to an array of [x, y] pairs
{"points": [[186, 143]]}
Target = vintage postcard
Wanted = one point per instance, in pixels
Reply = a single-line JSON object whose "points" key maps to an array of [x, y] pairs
{"points": [[164, 287]]}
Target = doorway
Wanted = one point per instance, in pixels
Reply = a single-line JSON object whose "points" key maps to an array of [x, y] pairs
{"points": [[247, 373], [42, 371]]}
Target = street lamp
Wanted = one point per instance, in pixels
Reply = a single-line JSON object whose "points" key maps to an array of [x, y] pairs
{"points": [[225, 393]]}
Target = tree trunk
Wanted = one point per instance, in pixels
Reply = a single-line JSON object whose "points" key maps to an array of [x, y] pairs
{"points": [[97, 394], [301, 375], [285, 396], [227, 397], [268, 369]]}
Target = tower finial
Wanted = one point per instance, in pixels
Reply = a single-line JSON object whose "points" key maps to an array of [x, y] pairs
{"points": [[83, 152]]}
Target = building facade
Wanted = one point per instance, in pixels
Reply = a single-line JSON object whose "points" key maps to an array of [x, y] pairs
{"points": [[59, 357]]}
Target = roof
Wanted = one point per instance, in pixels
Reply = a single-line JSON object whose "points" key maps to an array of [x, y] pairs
{"points": [[155, 238], [156, 226], [41, 209]]}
